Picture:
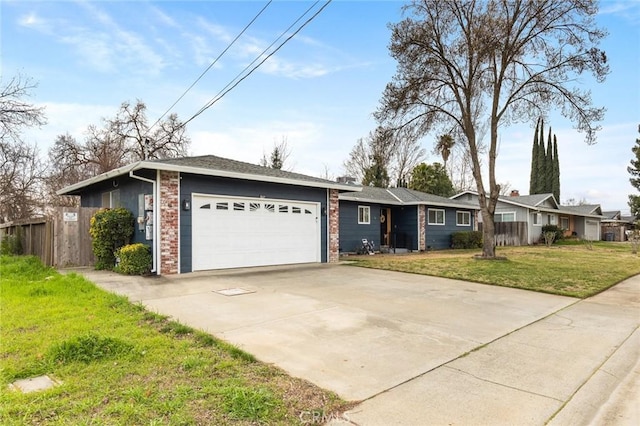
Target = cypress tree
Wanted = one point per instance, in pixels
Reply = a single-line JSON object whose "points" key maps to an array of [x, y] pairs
{"points": [[548, 167], [556, 170], [540, 167], [533, 179]]}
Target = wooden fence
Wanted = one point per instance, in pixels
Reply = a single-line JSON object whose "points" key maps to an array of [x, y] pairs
{"points": [[61, 239], [510, 233]]}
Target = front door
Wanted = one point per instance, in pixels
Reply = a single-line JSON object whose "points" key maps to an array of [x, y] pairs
{"points": [[385, 226]]}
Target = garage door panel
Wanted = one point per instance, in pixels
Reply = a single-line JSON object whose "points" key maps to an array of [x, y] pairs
{"points": [[238, 232]]}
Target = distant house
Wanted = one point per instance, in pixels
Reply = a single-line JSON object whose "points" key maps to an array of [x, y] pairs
{"points": [[615, 225], [401, 219], [532, 212]]}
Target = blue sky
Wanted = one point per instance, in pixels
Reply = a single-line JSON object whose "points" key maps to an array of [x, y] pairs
{"points": [[319, 91]]}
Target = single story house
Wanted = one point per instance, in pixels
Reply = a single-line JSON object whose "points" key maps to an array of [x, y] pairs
{"points": [[615, 225], [401, 218], [208, 212], [534, 211]]}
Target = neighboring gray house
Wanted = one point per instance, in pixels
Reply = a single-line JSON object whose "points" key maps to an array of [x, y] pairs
{"points": [[537, 210], [401, 218], [208, 212]]}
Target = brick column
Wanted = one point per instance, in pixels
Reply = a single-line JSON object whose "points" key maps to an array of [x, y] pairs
{"points": [[169, 206], [422, 246], [334, 227]]}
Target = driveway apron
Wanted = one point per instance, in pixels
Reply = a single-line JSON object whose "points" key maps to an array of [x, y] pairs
{"points": [[414, 349]]}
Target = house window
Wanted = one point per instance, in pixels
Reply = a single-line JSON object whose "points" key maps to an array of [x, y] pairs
{"points": [[504, 217], [564, 223], [537, 219], [463, 219], [435, 217], [111, 199], [364, 215], [551, 219]]}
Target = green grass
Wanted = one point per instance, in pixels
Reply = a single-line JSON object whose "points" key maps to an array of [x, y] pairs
{"points": [[120, 364], [568, 268]]}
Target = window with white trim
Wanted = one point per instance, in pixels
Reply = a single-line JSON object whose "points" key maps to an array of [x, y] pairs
{"points": [[552, 219], [463, 218], [111, 199], [504, 217], [537, 219], [564, 223], [435, 217], [364, 215]]}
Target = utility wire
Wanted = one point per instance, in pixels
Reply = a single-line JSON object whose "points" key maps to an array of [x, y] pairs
{"points": [[239, 79], [211, 65]]}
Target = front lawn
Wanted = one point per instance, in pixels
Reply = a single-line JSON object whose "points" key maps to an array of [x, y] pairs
{"points": [[569, 269], [120, 364]]}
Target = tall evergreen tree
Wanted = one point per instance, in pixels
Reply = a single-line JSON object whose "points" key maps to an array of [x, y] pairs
{"points": [[556, 171], [548, 166], [533, 183], [541, 169]]}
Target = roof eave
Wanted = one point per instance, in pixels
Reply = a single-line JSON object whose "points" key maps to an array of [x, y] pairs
{"points": [[206, 172], [68, 190]]}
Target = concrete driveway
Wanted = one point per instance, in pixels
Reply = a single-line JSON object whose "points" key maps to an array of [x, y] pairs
{"points": [[417, 349]]}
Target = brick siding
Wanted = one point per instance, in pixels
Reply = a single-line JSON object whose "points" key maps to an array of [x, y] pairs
{"points": [[422, 245], [334, 226], [169, 210]]}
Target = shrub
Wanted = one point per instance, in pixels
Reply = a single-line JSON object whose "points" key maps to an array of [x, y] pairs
{"points": [[466, 239], [11, 245], [555, 229], [134, 259], [110, 230]]}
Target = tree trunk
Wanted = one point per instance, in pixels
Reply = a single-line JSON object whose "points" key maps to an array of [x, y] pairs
{"points": [[488, 235]]}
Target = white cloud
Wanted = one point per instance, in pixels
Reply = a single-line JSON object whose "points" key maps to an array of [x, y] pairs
{"points": [[66, 118]]}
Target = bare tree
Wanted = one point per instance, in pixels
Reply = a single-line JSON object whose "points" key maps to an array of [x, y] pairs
{"points": [[20, 166], [408, 154], [278, 157], [462, 63], [359, 160], [15, 112], [120, 140], [130, 128]]}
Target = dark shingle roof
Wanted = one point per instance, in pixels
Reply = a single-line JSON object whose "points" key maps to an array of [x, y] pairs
{"points": [[212, 162], [528, 200], [411, 196], [402, 196]]}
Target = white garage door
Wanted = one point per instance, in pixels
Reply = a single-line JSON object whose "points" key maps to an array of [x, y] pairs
{"points": [[233, 232], [591, 231]]}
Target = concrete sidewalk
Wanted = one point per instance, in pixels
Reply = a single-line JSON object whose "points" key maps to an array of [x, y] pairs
{"points": [[579, 366]]}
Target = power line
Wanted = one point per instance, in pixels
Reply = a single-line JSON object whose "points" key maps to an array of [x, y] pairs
{"points": [[241, 77], [211, 65]]}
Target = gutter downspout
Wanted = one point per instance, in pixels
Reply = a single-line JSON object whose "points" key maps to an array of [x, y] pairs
{"points": [[154, 242]]}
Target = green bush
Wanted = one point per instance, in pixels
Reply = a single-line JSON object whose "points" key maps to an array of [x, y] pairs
{"points": [[466, 239], [555, 229], [134, 259], [110, 230], [11, 245]]}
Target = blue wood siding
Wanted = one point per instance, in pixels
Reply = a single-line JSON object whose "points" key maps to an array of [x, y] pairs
{"points": [[404, 223], [351, 232], [190, 184], [129, 189], [439, 236]]}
